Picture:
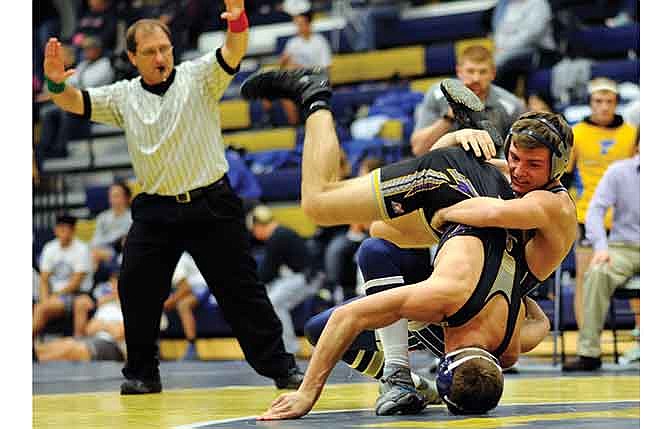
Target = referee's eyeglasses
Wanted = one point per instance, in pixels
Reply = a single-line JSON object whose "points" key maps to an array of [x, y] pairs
{"points": [[152, 52]]}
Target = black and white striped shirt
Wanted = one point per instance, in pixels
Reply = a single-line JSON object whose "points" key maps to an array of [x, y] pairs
{"points": [[174, 137]]}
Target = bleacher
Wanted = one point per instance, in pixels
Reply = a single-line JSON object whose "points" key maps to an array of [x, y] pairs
{"points": [[415, 48]]}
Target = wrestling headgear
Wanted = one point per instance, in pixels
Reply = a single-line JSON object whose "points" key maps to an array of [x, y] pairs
{"points": [[559, 147], [469, 381]]}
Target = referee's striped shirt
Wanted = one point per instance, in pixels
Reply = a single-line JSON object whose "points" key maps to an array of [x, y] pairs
{"points": [[174, 139]]}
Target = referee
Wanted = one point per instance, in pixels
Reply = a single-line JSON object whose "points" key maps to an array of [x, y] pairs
{"points": [[171, 121]]}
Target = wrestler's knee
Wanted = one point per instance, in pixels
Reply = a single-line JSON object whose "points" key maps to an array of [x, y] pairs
{"points": [[374, 253]]}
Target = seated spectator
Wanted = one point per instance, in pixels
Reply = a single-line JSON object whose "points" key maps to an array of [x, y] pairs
{"points": [[306, 49], [523, 38], [99, 20], [104, 338], [537, 103], [476, 69], [615, 258], [600, 139], [111, 226], [65, 273], [284, 269], [189, 291], [59, 126], [340, 261]]}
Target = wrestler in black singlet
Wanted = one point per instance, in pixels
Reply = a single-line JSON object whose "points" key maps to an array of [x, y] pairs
{"points": [[505, 273], [438, 179]]}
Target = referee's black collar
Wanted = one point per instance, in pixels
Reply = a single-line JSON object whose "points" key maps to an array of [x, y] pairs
{"points": [[159, 88]]}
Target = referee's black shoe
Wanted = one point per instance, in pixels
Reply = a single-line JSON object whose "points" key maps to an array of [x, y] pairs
{"points": [[292, 380], [468, 108], [309, 88], [135, 386]]}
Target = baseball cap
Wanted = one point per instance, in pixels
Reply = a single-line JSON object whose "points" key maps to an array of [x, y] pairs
{"points": [[602, 84]]}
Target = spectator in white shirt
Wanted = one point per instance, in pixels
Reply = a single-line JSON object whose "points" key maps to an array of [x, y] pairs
{"points": [[306, 49], [65, 272]]}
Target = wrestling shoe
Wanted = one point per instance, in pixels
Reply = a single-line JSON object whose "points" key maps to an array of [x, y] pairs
{"points": [[427, 388], [468, 109], [292, 380], [135, 386], [305, 87], [398, 394]]}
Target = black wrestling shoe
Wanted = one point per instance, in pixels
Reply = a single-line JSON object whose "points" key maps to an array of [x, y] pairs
{"points": [[468, 108], [292, 380], [583, 363], [136, 386], [303, 86]]}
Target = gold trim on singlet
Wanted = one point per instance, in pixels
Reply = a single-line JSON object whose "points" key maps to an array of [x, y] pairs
{"points": [[376, 190]]}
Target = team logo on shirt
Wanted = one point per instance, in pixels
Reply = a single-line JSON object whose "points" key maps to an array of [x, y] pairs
{"points": [[397, 208]]}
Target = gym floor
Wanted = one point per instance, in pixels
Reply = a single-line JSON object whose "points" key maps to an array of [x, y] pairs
{"points": [[228, 394]]}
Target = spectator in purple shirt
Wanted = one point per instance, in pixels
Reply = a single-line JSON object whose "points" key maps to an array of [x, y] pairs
{"points": [[615, 258]]}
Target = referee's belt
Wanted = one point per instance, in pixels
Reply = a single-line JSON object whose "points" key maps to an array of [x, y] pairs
{"points": [[193, 194]]}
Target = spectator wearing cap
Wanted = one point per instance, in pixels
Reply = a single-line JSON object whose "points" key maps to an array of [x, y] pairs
{"points": [[284, 268], [65, 273], [600, 139], [59, 126]]}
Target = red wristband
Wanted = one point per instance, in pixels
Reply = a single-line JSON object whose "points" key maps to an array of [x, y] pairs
{"points": [[240, 24]]}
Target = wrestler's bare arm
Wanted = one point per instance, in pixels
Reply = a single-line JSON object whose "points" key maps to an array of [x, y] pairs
{"points": [[427, 301]]}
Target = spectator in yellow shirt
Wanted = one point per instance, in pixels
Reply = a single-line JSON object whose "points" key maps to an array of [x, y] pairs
{"points": [[600, 139]]}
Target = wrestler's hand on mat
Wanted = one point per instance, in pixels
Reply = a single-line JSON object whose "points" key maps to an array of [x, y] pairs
{"points": [[478, 140], [288, 406]]}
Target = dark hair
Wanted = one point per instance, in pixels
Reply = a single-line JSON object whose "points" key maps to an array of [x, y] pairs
{"points": [[124, 187], [477, 387], [533, 121], [309, 15], [66, 219], [144, 25]]}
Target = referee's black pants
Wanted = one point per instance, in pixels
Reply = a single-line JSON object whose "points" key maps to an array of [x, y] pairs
{"points": [[211, 228]]}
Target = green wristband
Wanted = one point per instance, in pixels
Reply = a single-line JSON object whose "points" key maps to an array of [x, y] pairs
{"points": [[55, 88]]}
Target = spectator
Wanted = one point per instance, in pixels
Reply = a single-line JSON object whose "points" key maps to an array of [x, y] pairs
{"points": [[284, 268], [190, 290], [104, 338], [537, 103], [615, 258], [306, 49], [340, 264], [112, 225], [58, 126], [476, 69], [65, 272], [523, 38], [98, 20], [600, 139]]}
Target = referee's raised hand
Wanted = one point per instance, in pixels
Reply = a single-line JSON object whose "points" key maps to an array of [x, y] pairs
{"points": [[54, 65], [234, 9]]}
